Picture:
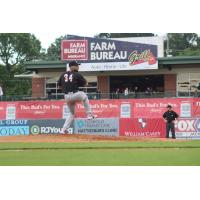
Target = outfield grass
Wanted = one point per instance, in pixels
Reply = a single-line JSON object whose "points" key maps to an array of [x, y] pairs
{"points": [[175, 153]]}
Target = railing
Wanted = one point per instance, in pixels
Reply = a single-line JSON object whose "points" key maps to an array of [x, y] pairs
{"points": [[139, 95]]}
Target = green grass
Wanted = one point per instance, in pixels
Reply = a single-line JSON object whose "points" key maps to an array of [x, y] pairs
{"points": [[175, 153]]}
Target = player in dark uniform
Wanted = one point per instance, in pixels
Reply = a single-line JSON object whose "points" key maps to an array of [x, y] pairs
{"points": [[170, 116], [70, 82]]}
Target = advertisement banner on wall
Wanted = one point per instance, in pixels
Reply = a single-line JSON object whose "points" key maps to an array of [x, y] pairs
{"points": [[101, 108], [40, 110], [14, 127], [3, 110], [50, 126], [119, 108], [196, 107], [187, 128], [100, 126], [142, 127], [98, 54], [154, 108]]}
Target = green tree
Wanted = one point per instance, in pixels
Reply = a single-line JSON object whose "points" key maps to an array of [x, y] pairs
{"points": [[15, 48], [54, 50], [180, 44], [121, 35]]}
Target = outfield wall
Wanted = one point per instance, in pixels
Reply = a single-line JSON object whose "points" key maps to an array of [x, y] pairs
{"points": [[125, 117]]}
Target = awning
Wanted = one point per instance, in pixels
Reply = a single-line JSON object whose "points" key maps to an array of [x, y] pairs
{"points": [[27, 74]]}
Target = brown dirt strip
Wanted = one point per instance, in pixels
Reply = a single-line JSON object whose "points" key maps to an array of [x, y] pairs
{"points": [[77, 138]]}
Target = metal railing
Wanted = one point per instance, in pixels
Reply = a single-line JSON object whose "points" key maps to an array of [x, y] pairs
{"points": [[139, 95]]}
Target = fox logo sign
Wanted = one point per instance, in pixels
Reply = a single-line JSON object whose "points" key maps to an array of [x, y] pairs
{"points": [[185, 125]]}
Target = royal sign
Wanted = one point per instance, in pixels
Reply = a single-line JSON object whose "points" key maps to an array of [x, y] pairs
{"points": [[109, 55]]}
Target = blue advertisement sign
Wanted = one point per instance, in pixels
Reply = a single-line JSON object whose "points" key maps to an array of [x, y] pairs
{"points": [[100, 126], [14, 130], [50, 126]]}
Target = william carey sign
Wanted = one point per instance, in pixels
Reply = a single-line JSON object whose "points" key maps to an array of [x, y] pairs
{"points": [[107, 55]]}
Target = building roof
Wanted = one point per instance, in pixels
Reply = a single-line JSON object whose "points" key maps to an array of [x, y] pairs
{"points": [[44, 65], [175, 60]]}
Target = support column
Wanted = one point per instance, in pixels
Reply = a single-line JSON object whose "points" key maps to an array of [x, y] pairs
{"points": [[170, 83], [103, 83], [38, 87]]}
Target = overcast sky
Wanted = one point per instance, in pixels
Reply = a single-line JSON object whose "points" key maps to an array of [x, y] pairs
{"points": [[48, 38]]}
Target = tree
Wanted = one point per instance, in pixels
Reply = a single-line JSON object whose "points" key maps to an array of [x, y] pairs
{"points": [[182, 44], [121, 35], [15, 48], [54, 51]]}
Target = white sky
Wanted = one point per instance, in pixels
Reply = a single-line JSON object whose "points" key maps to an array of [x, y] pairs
{"points": [[47, 38]]}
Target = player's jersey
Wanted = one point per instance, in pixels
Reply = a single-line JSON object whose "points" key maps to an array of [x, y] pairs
{"points": [[71, 81], [170, 116]]}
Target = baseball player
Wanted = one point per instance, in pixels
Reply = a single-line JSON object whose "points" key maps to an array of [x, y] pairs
{"points": [[70, 82]]}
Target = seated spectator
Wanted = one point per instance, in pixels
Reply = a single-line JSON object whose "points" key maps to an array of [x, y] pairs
{"points": [[136, 90], [148, 91], [126, 91], [117, 91]]}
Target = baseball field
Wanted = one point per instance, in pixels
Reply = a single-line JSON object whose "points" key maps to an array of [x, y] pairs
{"points": [[82, 150]]}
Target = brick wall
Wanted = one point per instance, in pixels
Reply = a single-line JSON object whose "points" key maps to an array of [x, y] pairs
{"points": [[103, 84], [38, 87], [170, 82]]}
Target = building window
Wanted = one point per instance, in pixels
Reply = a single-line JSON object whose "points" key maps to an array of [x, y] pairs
{"points": [[54, 92], [188, 84]]}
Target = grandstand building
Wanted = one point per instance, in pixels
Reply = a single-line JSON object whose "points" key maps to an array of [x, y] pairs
{"points": [[173, 76]]}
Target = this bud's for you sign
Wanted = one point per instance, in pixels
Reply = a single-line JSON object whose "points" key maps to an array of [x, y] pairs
{"points": [[109, 55]]}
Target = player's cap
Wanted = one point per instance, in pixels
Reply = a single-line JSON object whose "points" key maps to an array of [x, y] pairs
{"points": [[169, 106], [73, 63]]}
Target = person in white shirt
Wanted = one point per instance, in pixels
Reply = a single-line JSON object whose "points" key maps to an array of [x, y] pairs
{"points": [[126, 92], [1, 93]]}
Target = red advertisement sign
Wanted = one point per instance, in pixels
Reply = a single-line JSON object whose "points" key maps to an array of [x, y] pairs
{"points": [[154, 108], [39, 110], [121, 108], [3, 106], [196, 107], [74, 50], [142, 127], [101, 108]]}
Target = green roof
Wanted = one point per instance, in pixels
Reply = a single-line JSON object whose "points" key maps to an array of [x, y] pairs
{"points": [[44, 64], [178, 60]]}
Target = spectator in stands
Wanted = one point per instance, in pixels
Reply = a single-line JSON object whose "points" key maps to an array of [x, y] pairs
{"points": [[1, 93], [117, 93], [136, 90], [126, 91], [148, 91]]}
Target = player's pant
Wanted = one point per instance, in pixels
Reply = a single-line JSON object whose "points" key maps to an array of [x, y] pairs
{"points": [[71, 100], [170, 126]]}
